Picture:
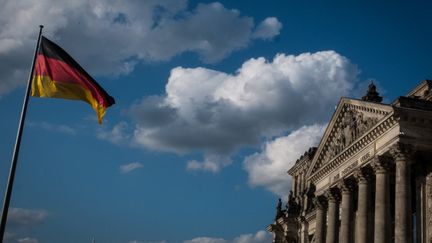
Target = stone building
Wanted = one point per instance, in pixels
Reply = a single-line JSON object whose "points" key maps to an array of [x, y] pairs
{"points": [[369, 179]]}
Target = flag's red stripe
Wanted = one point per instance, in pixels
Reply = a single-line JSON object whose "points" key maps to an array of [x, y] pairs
{"points": [[62, 72]]}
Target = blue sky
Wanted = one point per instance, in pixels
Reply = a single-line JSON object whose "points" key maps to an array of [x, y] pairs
{"points": [[215, 101]]}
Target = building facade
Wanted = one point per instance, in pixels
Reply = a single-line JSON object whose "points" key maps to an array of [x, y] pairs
{"points": [[369, 179]]}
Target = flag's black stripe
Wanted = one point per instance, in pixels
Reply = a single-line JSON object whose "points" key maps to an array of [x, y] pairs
{"points": [[52, 50]]}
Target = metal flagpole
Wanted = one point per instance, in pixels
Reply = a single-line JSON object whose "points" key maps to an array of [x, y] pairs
{"points": [[8, 193]]}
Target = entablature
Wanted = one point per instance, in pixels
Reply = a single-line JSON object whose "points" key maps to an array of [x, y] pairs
{"points": [[422, 91], [303, 163]]}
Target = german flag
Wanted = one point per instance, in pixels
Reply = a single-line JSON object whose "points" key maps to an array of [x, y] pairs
{"points": [[58, 75]]}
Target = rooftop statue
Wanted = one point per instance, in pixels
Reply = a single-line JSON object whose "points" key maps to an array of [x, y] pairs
{"points": [[372, 94]]}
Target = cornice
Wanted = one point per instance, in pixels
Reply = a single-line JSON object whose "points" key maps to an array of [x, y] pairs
{"points": [[304, 162], [310, 215], [425, 84], [302, 165]]}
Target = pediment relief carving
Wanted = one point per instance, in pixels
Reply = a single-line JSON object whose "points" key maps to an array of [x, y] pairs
{"points": [[351, 125], [351, 121]]}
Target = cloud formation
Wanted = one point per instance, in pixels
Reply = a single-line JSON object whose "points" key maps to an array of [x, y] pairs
{"points": [[156, 30], [268, 168], [28, 240], [20, 220], [259, 237], [206, 240], [130, 167], [12, 238], [117, 135], [26, 217], [212, 162], [216, 113], [268, 28]]}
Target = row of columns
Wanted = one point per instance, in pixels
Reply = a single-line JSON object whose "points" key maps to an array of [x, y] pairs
{"points": [[340, 198], [299, 183]]}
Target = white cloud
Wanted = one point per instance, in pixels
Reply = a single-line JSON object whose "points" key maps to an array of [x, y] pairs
{"points": [[26, 217], [212, 163], [206, 240], [117, 135], [13, 238], [216, 113], [268, 168], [20, 220], [28, 240], [259, 237], [130, 167], [268, 28], [156, 30]]}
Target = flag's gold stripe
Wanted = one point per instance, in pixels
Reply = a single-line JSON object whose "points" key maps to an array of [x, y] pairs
{"points": [[43, 86]]}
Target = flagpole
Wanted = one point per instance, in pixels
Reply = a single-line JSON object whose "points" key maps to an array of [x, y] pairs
{"points": [[11, 177]]}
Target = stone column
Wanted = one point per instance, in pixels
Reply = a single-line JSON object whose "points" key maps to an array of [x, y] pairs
{"points": [[363, 177], [420, 207], [403, 213], [298, 185], [321, 206], [382, 202], [303, 183], [304, 232], [428, 208], [333, 197], [347, 188]]}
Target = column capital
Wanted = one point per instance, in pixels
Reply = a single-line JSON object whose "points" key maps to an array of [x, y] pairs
{"points": [[363, 175], [333, 194], [346, 186], [320, 202], [401, 151], [380, 164]]}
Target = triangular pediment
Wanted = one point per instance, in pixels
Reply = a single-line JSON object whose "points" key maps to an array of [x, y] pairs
{"points": [[350, 121]]}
